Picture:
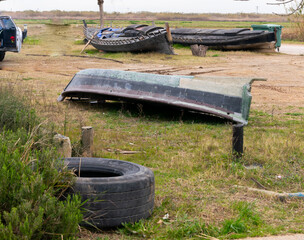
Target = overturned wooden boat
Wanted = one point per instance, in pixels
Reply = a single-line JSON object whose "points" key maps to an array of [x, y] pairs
{"points": [[225, 97], [134, 38], [266, 36]]}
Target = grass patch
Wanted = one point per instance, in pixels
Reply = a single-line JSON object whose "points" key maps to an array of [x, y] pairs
{"points": [[191, 157], [27, 79], [79, 42], [180, 46], [247, 221], [294, 114], [31, 41]]}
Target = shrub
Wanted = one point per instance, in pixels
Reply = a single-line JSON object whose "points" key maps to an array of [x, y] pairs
{"points": [[31, 179]]}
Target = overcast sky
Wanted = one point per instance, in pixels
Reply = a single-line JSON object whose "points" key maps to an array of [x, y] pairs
{"points": [[188, 6]]}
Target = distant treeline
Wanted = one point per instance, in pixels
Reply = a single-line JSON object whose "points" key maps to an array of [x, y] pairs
{"points": [[147, 16]]}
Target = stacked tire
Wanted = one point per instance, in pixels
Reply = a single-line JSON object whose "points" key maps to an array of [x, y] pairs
{"points": [[115, 191]]}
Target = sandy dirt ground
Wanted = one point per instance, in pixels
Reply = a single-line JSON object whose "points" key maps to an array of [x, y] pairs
{"points": [[46, 68], [284, 73], [286, 237], [292, 49]]}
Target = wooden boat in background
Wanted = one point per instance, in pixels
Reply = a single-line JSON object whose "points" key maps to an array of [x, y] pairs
{"points": [[224, 97], [230, 39], [134, 38]]}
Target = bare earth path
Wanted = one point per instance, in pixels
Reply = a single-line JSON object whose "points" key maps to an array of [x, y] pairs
{"points": [[292, 49], [286, 237]]}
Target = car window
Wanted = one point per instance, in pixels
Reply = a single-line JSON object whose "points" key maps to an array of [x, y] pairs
{"points": [[7, 23]]}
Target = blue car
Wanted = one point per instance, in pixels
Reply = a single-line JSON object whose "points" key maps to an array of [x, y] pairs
{"points": [[11, 36]]}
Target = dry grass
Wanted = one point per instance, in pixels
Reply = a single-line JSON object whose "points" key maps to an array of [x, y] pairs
{"points": [[296, 32]]}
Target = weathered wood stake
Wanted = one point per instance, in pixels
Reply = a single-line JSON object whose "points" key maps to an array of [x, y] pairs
{"points": [[238, 140], [199, 50], [90, 40], [87, 141], [169, 36]]}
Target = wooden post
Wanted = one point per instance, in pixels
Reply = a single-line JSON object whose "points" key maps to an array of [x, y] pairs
{"points": [[199, 50], [87, 135], [237, 140], [101, 13], [169, 36]]}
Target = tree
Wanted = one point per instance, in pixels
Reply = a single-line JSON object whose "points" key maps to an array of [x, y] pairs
{"points": [[101, 13], [292, 6]]}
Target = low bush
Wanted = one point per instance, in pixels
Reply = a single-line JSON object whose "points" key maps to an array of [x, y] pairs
{"points": [[32, 181]]}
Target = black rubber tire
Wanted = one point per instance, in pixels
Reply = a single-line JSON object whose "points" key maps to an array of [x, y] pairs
{"points": [[116, 191], [2, 55]]}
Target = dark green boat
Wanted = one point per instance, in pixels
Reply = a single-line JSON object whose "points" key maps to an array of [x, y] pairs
{"points": [[225, 97]]}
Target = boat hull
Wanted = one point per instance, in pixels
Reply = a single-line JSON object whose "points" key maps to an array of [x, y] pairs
{"points": [[155, 41], [225, 97], [232, 39]]}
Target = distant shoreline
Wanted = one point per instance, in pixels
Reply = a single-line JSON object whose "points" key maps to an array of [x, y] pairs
{"points": [[147, 16]]}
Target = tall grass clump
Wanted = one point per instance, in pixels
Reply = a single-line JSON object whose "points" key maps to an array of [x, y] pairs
{"points": [[32, 180], [299, 25], [296, 32], [14, 112]]}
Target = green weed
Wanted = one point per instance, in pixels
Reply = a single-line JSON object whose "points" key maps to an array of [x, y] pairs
{"points": [[185, 228], [180, 46], [246, 221], [27, 79], [79, 42], [142, 229], [294, 114]]}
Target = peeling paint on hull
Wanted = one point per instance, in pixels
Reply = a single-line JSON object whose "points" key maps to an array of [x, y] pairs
{"points": [[225, 97]]}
